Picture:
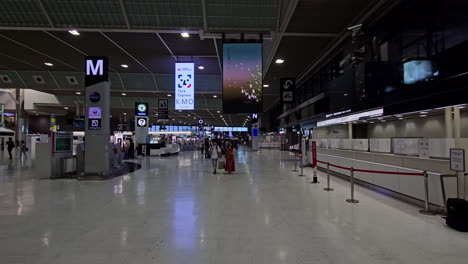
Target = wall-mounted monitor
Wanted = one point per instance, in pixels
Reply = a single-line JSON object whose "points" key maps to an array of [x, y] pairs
{"points": [[419, 70]]}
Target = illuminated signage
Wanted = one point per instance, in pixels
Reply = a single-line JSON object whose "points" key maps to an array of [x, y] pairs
{"points": [[350, 118], [96, 70], [142, 122], [94, 112], [141, 109], [338, 113], [184, 86]]}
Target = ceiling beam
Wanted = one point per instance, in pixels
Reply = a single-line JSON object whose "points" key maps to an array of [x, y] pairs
{"points": [[44, 12], [217, 53], [215, 33], [277, 40], [128, 54], [205, 22], [167, 46], [311, 34], [124, 13]]}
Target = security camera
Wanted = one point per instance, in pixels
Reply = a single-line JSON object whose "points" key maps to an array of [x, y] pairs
{"points": [[355, 28]]}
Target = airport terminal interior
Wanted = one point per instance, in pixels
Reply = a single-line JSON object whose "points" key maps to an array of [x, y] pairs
{"points": [[233, 131]]}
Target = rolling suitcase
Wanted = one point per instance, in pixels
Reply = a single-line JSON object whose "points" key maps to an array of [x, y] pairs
{"points": [[457, 214]]}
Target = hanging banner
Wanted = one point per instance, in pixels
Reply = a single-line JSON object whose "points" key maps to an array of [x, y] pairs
{"points": [[184, 86], [242, 78], [163, 109], [287, 87]]}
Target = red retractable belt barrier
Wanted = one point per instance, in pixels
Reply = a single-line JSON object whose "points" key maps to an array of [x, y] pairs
{"points": [[373, 171]]}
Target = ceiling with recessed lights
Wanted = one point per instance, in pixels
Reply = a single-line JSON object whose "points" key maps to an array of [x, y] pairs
{"points": [[43, 44]]}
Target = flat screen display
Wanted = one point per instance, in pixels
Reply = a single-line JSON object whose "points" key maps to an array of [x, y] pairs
{"points": [[242, 78], [418, 70], [184, 86]]}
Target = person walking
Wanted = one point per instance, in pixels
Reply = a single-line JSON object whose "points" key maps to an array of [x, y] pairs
{"points": [[23, 150], [215, 153], [230, 164], [10, 146]]}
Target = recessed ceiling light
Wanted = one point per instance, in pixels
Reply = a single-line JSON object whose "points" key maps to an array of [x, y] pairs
{"points": [[201, 67], [173, 119], [124, 94], [124, 66], [169, 95], [345, 94], [400, 118], [423, 116], [266, 85], [48, 64], [218, 112], [185, 34], [423, 113], [77, 93], [214, 96], [125, 113], [188, 115], [74, 32], [66, 108], [279, 61]]}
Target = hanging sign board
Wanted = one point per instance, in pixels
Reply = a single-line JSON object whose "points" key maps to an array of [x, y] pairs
{"points": [[141, 109], [457, 159], [184, 86], [287, 87], [163, 109]]}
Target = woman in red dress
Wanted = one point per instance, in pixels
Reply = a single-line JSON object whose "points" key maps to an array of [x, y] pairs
{"points": [[230, 165]]}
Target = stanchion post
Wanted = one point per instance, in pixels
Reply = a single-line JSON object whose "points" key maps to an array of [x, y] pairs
{"points": [[295, 164], [328, 178], [302, 167], [352, 200], [426, 210]]}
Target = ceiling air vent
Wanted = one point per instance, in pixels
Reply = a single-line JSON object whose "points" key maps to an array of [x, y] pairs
{"points": [[72, 80], [5, 79], [38, 79]]}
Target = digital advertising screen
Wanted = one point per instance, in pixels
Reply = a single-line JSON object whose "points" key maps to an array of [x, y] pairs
{"points": [[242, 78], [184, 86], [418, 70]]}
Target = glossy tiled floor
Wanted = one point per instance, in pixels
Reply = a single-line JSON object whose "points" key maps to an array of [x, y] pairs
{"points": [[174, 210]]}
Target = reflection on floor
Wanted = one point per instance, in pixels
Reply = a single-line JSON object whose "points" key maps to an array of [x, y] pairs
{"points": [[174, 210]]}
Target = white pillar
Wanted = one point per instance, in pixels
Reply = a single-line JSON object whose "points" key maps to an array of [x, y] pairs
{"points": [[350, 130], [456, 120], [448, 123]]}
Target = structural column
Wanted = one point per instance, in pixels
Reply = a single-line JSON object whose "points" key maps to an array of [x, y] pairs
{"points": [[350, 130], [448, 123], [456, 120]]}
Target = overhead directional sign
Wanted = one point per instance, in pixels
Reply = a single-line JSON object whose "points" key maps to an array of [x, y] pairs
{"points": [[287, 87], [142, 122], [141, 109], [96, 70]]}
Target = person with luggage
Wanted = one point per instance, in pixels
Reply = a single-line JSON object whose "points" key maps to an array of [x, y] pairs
{"points": [[230, 163], [215, 153], [10, 146]]}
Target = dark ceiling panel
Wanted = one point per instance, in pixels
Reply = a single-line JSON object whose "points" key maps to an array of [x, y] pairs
{"points": [[326, 16], [189, 46], [146, 48], [20, 53], [95, 44], [11, 63], [43, 42]]}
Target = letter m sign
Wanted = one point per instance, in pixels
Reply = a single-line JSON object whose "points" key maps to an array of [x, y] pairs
{"points": [[96, 70]]}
